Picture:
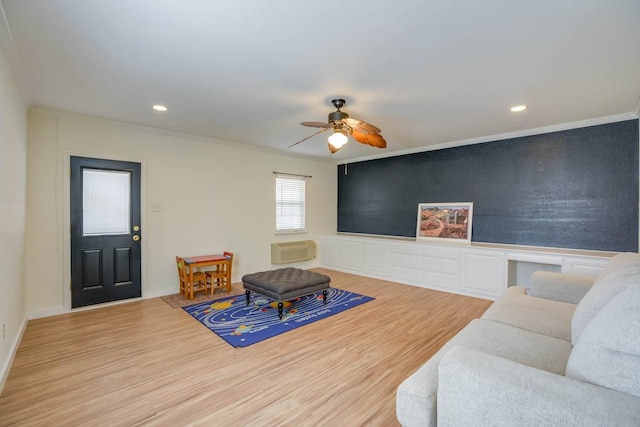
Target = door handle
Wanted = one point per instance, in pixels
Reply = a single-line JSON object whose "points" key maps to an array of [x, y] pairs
{"points": [[136, 237]]}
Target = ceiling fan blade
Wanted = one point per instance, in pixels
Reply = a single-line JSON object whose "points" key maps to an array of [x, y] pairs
{"points": [[339, 121], [360, 126], [359, 136], [316, 124], [310, 136], [373, 139], [377, 140]]}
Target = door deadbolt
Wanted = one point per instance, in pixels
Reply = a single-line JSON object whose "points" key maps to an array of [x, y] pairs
{"points": [[136, 228]]}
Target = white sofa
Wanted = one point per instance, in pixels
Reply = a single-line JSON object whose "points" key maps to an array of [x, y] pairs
{"points": [[565, 354]]}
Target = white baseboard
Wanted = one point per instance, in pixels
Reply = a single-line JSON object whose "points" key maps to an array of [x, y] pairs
{"points": [[54, 311], [4, 373], [47, 312], [161, 293]]}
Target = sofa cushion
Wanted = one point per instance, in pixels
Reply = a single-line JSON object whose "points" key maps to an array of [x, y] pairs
{"points": [[565, 287], [608, 352], [416, 396], [539, 315], [621, 271], [477, 389]]}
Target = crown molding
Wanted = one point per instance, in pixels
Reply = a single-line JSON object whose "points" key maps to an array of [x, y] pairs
{"points": [[8, 46], [5, 32], [509, 135], [56, 113]]}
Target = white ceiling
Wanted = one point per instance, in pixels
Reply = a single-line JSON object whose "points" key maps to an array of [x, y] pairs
{"points": [[426, 72]]}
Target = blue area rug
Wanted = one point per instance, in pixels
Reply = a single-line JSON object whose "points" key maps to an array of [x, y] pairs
{"points": [[241, 325]]}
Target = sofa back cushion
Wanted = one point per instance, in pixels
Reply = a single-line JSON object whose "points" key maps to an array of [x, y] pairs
{"points": [[608, 352], [623, 270]]}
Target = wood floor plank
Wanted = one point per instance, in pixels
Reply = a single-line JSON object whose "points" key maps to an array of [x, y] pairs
{"points": [[145, 363]]}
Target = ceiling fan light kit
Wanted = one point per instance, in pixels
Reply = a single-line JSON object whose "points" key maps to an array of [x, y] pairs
{"points": [[343, 126], [338, 138]]}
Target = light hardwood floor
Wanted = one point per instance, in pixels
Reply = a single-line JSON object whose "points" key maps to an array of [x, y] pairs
{"points": [[145, 363]]}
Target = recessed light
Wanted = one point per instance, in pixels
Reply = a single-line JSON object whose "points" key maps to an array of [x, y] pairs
{"points": [[518, 108], [160, 108]]}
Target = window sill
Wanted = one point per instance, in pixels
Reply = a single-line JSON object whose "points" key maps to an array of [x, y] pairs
{"points": [[290, 232]]}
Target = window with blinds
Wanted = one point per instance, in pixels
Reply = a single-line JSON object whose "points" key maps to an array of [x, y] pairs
{"points": [[105, 202], [290, 199]]}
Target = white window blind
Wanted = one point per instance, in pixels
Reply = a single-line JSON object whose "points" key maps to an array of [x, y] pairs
{"points": [[289, 203], [105, 202]]}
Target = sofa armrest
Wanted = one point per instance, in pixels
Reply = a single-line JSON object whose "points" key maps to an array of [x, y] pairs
{"points": [[561, 287], [475, 388]]}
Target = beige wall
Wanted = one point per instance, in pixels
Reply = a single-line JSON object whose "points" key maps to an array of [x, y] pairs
{"points": [[13, 168], [215, 195]]}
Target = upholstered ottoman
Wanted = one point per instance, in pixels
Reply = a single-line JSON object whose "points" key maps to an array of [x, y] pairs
{"points": [[285, 283]]}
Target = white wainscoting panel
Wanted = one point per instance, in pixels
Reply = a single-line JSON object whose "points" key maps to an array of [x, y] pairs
{"points": [[483, 272], [443, 282], [477, 270], [377, 259], [352, 252], [441, 251], [586, 267], [441, 267], [407, 275], [330, 251], [406, 262]]}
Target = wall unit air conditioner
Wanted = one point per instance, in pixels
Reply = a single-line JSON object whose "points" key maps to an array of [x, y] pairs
{"points": [[286, 252]]}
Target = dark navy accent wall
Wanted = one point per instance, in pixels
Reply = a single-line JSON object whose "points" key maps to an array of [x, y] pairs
{"points": [[575, 189]]}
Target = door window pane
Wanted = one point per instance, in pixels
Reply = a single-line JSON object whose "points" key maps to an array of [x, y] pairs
{"points": [[105, 202]]}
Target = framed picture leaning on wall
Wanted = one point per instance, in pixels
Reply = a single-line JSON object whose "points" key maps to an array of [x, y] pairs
{"points": [[445, 222]]}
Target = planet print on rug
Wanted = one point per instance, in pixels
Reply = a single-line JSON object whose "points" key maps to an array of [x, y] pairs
{"points": [[241, 325]]}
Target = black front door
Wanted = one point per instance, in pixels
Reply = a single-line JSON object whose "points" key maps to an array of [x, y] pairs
{"points": [[105, 231]]}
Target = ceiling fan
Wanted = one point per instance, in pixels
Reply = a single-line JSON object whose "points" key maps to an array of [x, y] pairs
{"points": [[342, 126]]}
